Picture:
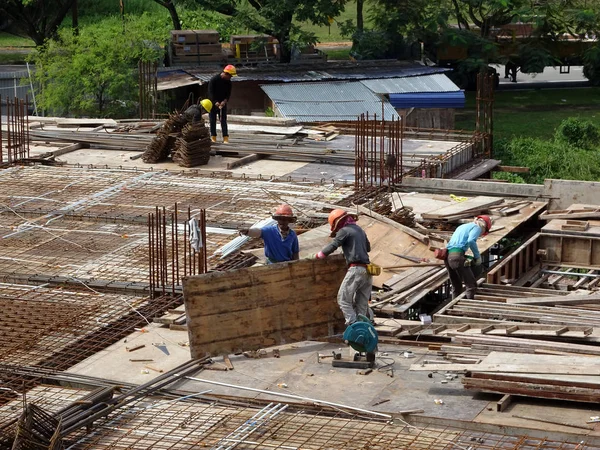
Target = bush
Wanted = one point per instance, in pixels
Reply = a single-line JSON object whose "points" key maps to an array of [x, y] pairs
{"points": [[554, 159], [591, 64], [578, 133], [507, 176]]}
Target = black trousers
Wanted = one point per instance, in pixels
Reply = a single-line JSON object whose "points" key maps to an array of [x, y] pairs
{"points": [[459, 274], [222, 113]]}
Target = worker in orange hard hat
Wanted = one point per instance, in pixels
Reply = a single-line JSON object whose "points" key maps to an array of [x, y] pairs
{"points": [[460, 268], [219, 91], [281, 242], [355, 290]]}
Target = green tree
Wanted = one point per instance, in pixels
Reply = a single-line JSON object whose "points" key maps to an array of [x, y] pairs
{"points": [[94, 74], [170, 5], [275, 18], [36, 19]]}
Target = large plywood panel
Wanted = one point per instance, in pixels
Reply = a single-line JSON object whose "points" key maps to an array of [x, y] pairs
{"points": [[257, 307]]}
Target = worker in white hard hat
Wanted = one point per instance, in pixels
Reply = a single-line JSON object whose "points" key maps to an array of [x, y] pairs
{"points": [[281, 242]]}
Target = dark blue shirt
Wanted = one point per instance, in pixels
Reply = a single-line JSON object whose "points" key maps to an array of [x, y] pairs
{"points": [[278, 249]]}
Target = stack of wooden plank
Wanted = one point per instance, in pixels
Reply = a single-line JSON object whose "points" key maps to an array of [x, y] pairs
{"points": [[193, 147], [195, 47], [573, 378], [462, 210]]}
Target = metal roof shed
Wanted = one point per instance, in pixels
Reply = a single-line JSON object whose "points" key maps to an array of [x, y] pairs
{"points": [[428, 100], [328, 101]]}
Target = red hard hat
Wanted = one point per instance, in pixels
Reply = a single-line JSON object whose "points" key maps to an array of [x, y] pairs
{"points": [[230, 70], [488, 223], [284, 211]]}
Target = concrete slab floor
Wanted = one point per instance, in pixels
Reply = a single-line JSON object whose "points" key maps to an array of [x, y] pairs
{"points": [[114, 363]]}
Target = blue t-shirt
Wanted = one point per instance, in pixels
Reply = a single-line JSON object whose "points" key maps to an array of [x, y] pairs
{"points": [[278, 249], [465, 237]]}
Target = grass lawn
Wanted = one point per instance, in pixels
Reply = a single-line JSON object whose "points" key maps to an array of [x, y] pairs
{"points": [[534, 113], [332, 33], [9, 40]]}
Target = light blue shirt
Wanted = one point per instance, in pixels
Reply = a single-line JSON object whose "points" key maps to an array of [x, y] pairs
{"points": [[465, 237]]}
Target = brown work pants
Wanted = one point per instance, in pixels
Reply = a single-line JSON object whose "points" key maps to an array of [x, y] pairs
{"points": [[459, 274]]}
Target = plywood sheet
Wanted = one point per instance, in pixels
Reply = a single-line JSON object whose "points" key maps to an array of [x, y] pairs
{"points": [[476, 203], [258, 307]]}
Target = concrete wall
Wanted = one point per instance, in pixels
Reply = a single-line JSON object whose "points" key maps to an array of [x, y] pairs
{"points": [[559, 193]]}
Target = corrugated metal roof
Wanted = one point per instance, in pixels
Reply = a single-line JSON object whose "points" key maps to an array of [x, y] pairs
{"points": [[425, 83], [428, 100], [291, 73], [329, 101]]}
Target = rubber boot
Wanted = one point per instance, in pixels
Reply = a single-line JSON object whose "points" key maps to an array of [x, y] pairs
{"points": [[225, 139], [213, 138]]}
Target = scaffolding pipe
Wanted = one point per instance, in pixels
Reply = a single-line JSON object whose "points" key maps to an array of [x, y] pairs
{"points": [[295, 397]]}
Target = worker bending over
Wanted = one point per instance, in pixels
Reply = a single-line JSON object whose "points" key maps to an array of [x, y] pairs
{"points": [[355, 290], [281, 242], [219, 91], [194, 113], [464, 238]]}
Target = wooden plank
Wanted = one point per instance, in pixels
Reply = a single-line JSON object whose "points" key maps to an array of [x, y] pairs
{"points": [[504, 402], [257, 307], [420, 237], [478, 203]]}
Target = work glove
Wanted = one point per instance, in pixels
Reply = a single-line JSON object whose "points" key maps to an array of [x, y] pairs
{"points": [[243, 231], [477, 261], [320, 255]]}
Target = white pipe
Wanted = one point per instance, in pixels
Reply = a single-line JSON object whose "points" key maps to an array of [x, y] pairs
{"points": [[296, 397]]}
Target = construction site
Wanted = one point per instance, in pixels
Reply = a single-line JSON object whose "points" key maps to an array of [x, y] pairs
{"points": [[136, 316]]}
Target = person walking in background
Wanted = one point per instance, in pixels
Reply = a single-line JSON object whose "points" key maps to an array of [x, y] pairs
{"points": [[281, 242], [219, 91], [464, 238], [355, 291]]}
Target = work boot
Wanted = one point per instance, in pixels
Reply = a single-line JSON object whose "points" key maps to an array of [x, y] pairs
{"points": [[225, 139], [213, 138]]}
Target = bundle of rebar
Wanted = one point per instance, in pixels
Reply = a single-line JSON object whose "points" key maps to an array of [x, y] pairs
{"points": [[193, 147], [37, 429], [161, 146]]}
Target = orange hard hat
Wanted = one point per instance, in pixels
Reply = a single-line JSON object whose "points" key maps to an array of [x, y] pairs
{"points": [[334, 218], [230, 69], [488, 223], [284, 211]]}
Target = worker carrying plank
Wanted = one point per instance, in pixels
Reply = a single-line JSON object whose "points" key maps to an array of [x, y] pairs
{"points": [[281, 242], [459, 271], [355, 290]]}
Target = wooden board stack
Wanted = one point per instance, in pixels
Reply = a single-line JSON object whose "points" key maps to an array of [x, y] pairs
{"points": [[195, 47]]}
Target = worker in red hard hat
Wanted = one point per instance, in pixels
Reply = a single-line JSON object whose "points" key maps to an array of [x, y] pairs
{"points": [[219, 91], [281, 242], [355, 290], [465, 238]]}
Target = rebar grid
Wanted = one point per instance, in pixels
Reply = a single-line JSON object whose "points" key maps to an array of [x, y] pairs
{"points": [[54, 329], [81, 251], [129, 196], [161, 424]]}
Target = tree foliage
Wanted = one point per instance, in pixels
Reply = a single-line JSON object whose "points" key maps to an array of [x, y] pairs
{"points": [[94, 74], [276, 17], [36, 19]]}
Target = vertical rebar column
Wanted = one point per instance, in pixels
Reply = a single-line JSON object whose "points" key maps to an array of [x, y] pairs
{"points": [[165, 252], [484, 122], [176, 262], [150, 256], [148, 88]]}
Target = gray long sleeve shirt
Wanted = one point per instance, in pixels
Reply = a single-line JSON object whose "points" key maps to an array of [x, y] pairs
{"points": [[354, 242]]}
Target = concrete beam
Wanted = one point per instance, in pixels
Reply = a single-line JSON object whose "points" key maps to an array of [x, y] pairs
{"points": [[535, 191]]}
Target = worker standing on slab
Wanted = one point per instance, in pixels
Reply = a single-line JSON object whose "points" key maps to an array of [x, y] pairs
{"points": [[464, 238], [219, 91], [281, 242], [355, 290]]}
